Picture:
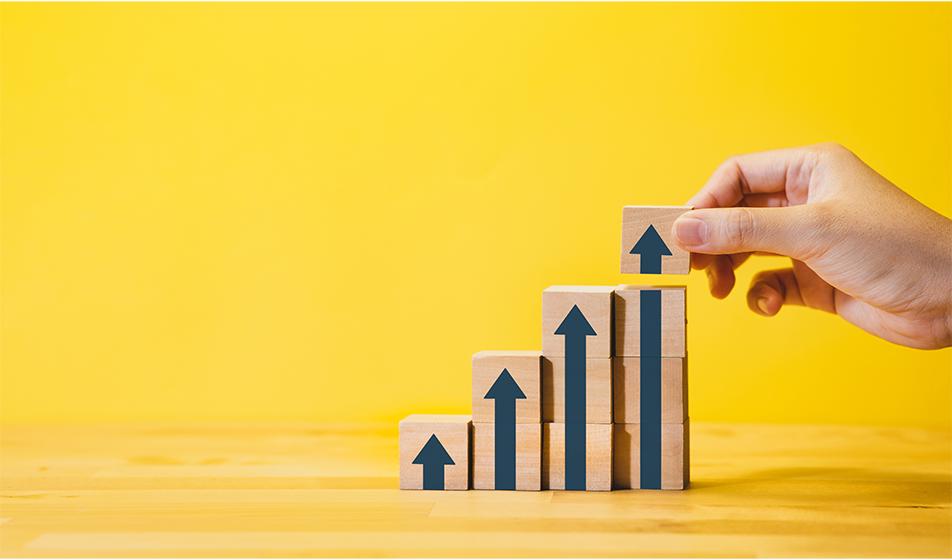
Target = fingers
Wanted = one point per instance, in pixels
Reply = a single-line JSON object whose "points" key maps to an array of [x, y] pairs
{"points": [[789, 231], [720, 273], [779, 172], [770, 290]]}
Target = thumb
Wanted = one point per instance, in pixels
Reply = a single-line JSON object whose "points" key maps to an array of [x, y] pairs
{"points": [[785, 231]]}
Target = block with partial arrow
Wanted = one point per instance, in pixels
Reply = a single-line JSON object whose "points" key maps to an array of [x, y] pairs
{"points": [[501, 377], [675, 464], [434, 452], [626, 387], [647, 246], [598, 390], [598, 457], [667, 313], [507, 461], [577, 316]]}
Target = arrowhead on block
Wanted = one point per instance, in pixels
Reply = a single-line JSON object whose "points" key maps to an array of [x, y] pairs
{"points": [[505, 388], [575, 323], [433, 453], [650, 243]]}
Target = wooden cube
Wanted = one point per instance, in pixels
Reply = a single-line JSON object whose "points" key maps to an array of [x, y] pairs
{"points": [[628, 319], [598, 390], [626, 386], [525, 370], [528, 456], [434, 452], [598, 456], [647, 245], [595, 305], [675, 455]]}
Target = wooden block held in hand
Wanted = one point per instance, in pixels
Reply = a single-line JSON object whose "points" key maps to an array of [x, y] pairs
{"points": [[595, 305], [626, 386], [598, 390], [628, 320], [646, 230], [524, 368], [436, 445], [598, 456], [675, 456], [528, 456]]}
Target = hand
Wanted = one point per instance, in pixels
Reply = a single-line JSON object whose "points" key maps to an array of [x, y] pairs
{"points": [[861, 247]]}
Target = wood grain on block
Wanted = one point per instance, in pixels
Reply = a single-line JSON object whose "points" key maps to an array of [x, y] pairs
{"points": [[595, 303], [453, 432], [528, 456], [628, 320], [598, 390], [675, 456], [634, 223], [626, 387], [598, 456], [525, 367]]}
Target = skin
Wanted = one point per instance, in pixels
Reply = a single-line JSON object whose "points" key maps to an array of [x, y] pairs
{"points": [[860, 247]]}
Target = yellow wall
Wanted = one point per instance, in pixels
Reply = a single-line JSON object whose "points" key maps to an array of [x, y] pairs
{"points": [[321, 211]]}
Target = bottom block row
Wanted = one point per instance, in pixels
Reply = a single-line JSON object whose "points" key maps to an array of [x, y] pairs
{"points": [[435, 453]]}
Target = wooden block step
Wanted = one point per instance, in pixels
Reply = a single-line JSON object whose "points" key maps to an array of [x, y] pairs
{"points": [[628, 320], [489, 384], [434, 452], [675, 456], [598, 456], [598, 390], [626, 386], [528, 456]]}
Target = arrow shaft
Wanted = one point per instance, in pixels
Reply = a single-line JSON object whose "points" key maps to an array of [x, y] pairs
{"points": [[505, 443], [650, 388], [651, 263], [433, 476], [575, 398]]}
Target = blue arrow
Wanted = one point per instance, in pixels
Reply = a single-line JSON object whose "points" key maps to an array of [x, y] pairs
{"points": [[651, 389], [505, 391], [575, 327], [434, 458], [651, 247]]}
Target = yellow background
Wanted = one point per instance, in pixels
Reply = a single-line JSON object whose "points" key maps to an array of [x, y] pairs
{"points": [[321, 211]]}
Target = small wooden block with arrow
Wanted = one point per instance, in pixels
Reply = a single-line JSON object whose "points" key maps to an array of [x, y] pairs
{"points": [[647, 246], [434, 452]]}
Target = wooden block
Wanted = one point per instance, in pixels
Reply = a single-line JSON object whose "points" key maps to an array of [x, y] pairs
{"points": [[441, 441], [628, 320], [675, 456], [528, 456], [598, 390], [650, 256], [595, 303], [524, 368], [598, 456], [626, 386]]}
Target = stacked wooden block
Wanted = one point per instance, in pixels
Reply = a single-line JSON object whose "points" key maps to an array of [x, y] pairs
{"points": [[602, 406]]}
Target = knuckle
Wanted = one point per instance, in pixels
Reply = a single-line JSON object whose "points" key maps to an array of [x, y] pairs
{"points": [[740, 226]]}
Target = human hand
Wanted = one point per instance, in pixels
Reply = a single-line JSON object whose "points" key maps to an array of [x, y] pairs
{"points": [[861, 247]]}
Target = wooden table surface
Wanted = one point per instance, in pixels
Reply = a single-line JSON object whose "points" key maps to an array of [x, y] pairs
{"points": [[298, 489]]}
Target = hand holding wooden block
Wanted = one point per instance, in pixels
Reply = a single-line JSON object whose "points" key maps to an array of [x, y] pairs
{"points": [[524, 371], [434, 452], [577, 311], [647, 246]]}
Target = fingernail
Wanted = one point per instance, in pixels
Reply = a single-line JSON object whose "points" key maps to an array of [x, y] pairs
{"points": [[762, 305], [690, 231]]}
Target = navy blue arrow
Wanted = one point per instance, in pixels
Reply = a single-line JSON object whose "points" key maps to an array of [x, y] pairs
{"points": [[575, 328], [505, 391], [651, 247], [434, 458], [651, 389]]}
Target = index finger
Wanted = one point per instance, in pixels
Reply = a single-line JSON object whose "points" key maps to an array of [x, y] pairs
{"points": [[784, 173]]}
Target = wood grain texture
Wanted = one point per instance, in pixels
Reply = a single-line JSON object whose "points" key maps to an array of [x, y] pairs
{"points": [[598, 456], [528, 456], [675, 456], [626, 388], [303, 489], [525, 368], [598, 390], [635, 221], [628, 320], [595, 302], [453, 432]]}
